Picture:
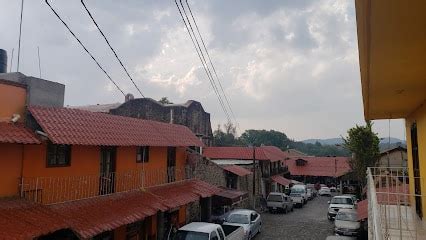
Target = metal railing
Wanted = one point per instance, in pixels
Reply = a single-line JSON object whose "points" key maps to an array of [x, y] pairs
{"points": [[392, 209], [50, 190]]}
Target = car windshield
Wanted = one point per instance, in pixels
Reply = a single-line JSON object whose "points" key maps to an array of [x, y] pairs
{"points": [[238, 218], [341, 201], [324, 188], [345, 216], [275, 198], [187, 235], [297, 190]]}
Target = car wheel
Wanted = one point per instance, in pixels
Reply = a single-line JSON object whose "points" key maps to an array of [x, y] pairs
{"points": [[260, 228], [328, 217]]}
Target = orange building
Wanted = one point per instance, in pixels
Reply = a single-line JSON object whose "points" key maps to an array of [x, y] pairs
{"points": [[71, 173]]}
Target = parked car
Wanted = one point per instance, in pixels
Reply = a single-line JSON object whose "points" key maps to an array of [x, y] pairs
{"points": [[324, 191], [248, 219], [354, 198], [346, 223], [279, 202], [209, 231], [298, 195], [309, 194], [312, 187], [333, 189], [340, 238], [337, 203]]}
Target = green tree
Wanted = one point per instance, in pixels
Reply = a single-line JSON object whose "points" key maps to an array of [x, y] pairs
{"points": [[226, 137], [363, 143], [165, 101]]}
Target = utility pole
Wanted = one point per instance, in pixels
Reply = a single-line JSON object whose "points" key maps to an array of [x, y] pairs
{"points": [[254, 177]]}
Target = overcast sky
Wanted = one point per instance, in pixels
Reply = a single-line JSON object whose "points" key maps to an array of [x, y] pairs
{"points": [[285, 65]]}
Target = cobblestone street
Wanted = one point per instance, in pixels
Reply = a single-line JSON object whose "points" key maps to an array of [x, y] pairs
{"points": [[309, 222]]}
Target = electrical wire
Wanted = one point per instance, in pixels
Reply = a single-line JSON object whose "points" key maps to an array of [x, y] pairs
{"points": [[211, 63], [112, 49], [201, 57], [20, 34], [84, 47]]}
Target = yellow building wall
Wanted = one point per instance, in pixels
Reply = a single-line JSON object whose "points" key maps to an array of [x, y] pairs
{"points": [[419, 117]]}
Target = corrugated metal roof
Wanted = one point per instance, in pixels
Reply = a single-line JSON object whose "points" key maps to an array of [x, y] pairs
{"points": [[17, 133], [319, 166], [232, 194], [79, 127], [181, 193], [20, 219], [237, 170], [92, 216], [281, 180]]}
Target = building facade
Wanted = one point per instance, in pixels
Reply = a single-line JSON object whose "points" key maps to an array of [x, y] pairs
{"points": [[391, 38], [75, 174]]}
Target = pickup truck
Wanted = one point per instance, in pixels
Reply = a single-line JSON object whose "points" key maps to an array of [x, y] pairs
{"points": [[298, 195], [209, 231], [279, 202]]}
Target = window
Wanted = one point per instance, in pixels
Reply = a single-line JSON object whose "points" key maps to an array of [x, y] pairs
{"points": [[231, 181], [142, 154], [58, 155], [253, 217], [213, 236], [221, 233]]}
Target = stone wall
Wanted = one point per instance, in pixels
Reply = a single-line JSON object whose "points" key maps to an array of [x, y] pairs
{"points": [[190, 114]]}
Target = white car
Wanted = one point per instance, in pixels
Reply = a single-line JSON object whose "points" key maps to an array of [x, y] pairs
{"points": [[324, 191], [298, 195], [347, 223], [279, 202], [207, 231], [248, 219], [337, 203], [309, 194]]}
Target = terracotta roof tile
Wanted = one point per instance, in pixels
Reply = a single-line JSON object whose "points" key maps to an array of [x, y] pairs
{"points": [[79, 127], [92, 216], [16, 133], [281, 180], [20, 219], [319, 166], [266, 153], [237, 170]]}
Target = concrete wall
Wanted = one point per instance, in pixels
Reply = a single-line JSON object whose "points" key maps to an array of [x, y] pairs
{"points": [[396, 159], [39, 91]]}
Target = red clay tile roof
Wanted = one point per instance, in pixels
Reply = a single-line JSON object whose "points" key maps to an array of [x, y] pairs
{"points": [[92, 216], [79, 127], [281, 180], [319, 166], [237, 170], [181, 193], [20, 219], [16, 133], [362, 209], [264, 153]]}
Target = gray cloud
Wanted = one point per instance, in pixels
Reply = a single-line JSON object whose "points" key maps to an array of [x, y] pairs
{"points": [[287, 65]]}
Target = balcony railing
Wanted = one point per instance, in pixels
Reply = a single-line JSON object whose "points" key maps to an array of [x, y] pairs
{"points": [[49, 190], [392, 212]]}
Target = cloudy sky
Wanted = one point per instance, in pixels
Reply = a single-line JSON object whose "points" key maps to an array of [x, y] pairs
{"points": [[285, 65]]}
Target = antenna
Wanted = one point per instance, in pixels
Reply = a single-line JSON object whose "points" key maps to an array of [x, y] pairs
{"points": [[11, 60], [39, 62], [20, 34]]}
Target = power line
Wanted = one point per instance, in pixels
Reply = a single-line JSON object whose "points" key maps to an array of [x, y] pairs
{"points": [[211, 63], [201, 57], [205, 65], [112, 49], [84, 47]]}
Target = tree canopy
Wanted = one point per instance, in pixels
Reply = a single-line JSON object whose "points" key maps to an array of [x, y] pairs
{"points": [[228, 137], [363, 143], [165, 100]]}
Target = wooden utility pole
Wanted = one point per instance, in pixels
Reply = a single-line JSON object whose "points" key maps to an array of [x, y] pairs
{"points": [[254, 177]]}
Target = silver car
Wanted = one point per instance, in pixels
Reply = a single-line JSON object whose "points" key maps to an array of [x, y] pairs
{"points": [[248, 219], [346, 223], [279, 202]]}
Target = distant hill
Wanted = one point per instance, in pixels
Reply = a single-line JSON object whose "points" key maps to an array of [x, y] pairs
{"points": [[334, 141]]}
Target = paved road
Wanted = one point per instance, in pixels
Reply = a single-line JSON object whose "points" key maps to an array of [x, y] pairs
{"points": [[309, 222]]}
